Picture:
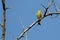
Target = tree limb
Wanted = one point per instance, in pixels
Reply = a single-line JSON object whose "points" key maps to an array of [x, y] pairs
{"points": [[4, 19], [32, 25]]}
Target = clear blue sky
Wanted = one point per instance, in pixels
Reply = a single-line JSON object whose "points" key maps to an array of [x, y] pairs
{"points": [[25, 11]]}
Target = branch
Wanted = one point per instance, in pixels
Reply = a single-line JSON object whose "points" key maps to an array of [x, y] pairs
{"points": [[55, 6], [4, 19], [32, 25], [26, 35], [27, 29], [3, 4], [46, 9], [50, 14], [43, 6], [0, 24]]}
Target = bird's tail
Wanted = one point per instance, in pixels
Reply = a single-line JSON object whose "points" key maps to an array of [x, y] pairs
{"points": [[39, 23]]}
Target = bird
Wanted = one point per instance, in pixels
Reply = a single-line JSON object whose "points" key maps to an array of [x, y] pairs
{"points": [[39, 16]]}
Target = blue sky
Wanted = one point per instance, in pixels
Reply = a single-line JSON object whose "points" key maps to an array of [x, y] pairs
{"points": [[25, 11]]}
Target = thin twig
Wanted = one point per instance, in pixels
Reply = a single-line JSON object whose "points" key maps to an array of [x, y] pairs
{"points": [[55, 6], [0, 25], [26, 35], [46, 9], [21, 23], [43, 6]]}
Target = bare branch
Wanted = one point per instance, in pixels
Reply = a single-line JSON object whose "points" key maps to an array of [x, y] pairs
{"points": [[4, 19], [21, 23], [3, 4], [8, 8], [30, 26], [26, 35], [43, 6], [45, 15], [55, 6], [46, 9], [27, 29]]}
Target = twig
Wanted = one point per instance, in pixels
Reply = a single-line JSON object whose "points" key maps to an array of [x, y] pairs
{"points": [[32, 25], [43, 6], [46, 9], [26, 35], [0, 25], [21, 23], [55, 6]]}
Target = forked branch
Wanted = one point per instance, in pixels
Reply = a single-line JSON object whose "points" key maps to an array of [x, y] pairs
{"points": [[32, 25]]}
